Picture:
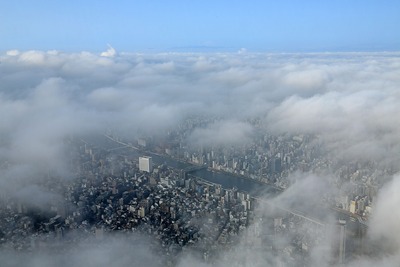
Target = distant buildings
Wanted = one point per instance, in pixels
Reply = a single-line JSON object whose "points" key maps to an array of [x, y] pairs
{"points": [[146, 164]]}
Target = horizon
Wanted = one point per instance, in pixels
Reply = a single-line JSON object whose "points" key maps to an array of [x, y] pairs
{"points": [[241, 51]]}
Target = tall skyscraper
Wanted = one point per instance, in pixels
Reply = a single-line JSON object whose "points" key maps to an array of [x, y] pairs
{"points": [[145, 164], [342, 241]]}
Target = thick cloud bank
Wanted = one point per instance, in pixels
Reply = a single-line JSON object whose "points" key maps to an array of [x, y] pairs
{"points": [[350, 101]]}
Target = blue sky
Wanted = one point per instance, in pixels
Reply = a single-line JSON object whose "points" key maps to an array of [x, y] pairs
{"points": [[75, 25]]}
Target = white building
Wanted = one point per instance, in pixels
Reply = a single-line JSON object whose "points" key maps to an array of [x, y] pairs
{"points": [[145, 164]]}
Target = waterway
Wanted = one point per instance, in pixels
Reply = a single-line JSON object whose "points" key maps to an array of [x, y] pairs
{"points": [[226, 180]]}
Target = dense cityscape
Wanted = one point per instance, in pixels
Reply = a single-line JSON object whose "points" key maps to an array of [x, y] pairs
{"points": [[131, 187]]}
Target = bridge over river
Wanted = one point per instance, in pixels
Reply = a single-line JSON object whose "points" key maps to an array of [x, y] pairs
{"points": [[256, 189]]}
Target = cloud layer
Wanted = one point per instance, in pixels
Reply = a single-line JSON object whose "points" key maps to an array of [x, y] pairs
{"points": [[351, 101], [344, 97]]}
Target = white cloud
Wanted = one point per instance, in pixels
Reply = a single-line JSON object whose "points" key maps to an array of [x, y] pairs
{"points": [[12, 53], [226, 133], [344, 98], [383, 223], [351, 101], [111, 52]]}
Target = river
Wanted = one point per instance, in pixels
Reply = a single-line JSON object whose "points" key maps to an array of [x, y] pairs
{"points": [[226, 180]]}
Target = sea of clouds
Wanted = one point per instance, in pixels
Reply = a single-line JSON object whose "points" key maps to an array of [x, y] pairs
{"points": [[351, 101]]}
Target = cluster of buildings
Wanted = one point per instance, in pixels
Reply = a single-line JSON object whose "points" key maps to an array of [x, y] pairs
{"points": [[266, 158], [359, 184], [271, 159], [180, 212], [113, 194]]}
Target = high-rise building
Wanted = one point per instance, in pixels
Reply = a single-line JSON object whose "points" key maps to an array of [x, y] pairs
{"points": [[342, 241], [353, 206], [145, 164], [276, 165]]}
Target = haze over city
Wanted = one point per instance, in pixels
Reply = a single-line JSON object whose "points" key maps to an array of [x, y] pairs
{"points": [[199, 134]]}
